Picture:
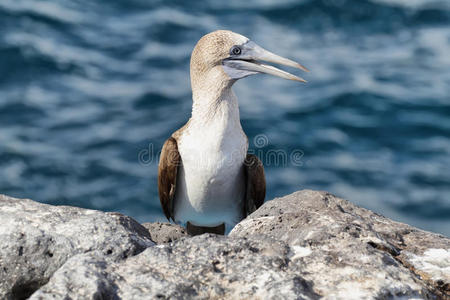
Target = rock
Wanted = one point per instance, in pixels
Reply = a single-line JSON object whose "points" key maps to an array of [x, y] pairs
{"points": [[162, 233], [307, 245], [202, 267], [37, 239], [83, 276], [347, 250]]}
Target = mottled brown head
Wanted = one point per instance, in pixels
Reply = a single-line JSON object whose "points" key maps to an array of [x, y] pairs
{"points": [[222, 57], [214, 47], [210, 51]]}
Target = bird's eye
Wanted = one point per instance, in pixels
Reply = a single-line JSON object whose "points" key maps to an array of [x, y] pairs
{"points": [[236, 50]]}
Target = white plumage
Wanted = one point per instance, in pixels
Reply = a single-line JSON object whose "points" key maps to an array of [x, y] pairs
{"points": [[210, 185]]}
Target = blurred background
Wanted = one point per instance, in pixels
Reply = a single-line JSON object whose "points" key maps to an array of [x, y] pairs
{"points": [[90, 91]]}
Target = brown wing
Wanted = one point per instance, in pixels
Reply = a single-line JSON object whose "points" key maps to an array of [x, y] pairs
{"points": [[167, 176], [256, 184]]}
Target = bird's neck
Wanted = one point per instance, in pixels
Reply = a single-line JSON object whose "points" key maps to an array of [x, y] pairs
{"points": [[213, 99]]}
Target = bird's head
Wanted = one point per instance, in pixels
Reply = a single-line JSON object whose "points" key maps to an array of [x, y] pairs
{"points": [[234, 56]]}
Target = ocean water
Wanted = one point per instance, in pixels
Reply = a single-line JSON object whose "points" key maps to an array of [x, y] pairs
{"points": [[90, 90]]}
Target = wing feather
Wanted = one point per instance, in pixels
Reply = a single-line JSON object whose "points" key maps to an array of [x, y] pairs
{"points": [[167, 176], [256, 184]]}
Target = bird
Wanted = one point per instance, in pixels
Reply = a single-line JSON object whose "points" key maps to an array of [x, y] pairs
{"points": [[207, 180]]}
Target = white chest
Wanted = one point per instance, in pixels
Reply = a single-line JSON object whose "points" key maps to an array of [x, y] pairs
{"points": [[210, 187], [214, 151]]}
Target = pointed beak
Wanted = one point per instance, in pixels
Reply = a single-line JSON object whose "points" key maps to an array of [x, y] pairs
{"points": [[252, 58]]}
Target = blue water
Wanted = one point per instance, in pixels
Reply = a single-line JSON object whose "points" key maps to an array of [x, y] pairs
{"points": [[90, 90]]}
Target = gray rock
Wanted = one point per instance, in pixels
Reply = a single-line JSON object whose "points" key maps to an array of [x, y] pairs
{"points": [[347, 250], [165, 232], [307, 245], [202, 267], [83, 276], [37, 239]]}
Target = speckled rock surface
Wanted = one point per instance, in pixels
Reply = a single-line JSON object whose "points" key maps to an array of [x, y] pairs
{"points": [[349, 250], [37, 239], [202, 267], [165, 232], [307, 245]]}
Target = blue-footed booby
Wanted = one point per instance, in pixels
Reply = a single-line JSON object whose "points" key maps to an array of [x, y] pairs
{"points": [[206, 179]]}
